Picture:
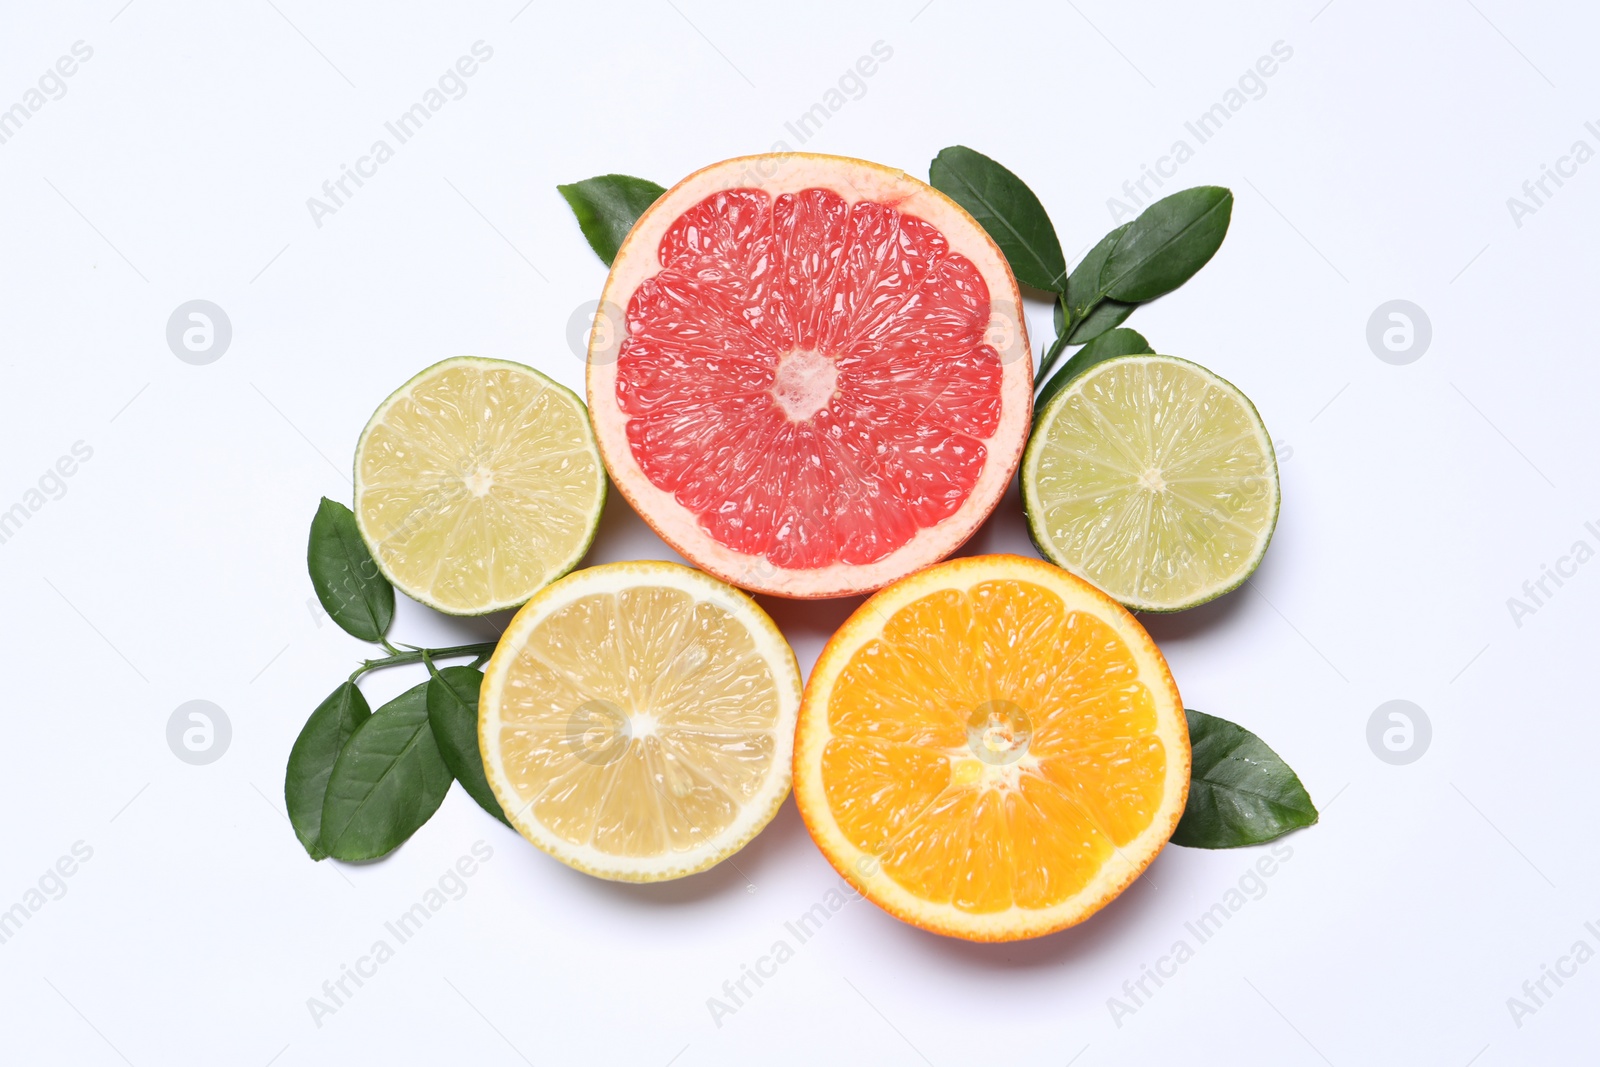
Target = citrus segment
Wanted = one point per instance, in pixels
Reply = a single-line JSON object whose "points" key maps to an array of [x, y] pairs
{"points": [[818, 377], [477, 482], [1154, 479], [991, 749], [637, 720]]}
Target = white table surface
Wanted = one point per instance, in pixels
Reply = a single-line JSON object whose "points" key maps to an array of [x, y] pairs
{"points": [[1374, 165]]}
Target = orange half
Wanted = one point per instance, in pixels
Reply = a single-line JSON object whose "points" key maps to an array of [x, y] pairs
{"points": [[991, 749]]}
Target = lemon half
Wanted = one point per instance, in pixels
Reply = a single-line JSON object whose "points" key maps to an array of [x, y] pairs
{"points": [[637, 720]]}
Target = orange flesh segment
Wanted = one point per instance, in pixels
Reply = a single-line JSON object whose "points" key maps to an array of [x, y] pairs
{"points": [[1080, 770]]}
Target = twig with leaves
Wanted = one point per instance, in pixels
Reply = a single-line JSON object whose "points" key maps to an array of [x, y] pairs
{"points": [[360, 782]]}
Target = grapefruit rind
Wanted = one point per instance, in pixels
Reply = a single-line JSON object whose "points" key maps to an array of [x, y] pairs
{"points": [[558, 567], [615, 577], [863, 871], [855, 180], [1034, 508]]}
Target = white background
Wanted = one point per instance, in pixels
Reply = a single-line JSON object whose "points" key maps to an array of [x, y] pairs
{"points": [[1417, 499]]}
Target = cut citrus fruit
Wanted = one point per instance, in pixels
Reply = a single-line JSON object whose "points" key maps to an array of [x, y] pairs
{"points": [[812, 375], [991, 749], [637, 720], [477, 483], [1154, 479]]}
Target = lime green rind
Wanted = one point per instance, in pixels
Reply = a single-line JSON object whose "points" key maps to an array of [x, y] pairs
{"points": [[1032, 507], [567, 566]]}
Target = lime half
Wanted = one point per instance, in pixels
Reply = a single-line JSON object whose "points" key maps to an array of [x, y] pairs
{"points": [[1154, 479], [477, 484]]}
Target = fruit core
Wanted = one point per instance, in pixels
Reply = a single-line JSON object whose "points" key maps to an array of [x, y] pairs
{"points": [[998, 732], [1151, 479], [804, 383], [479, 480]]}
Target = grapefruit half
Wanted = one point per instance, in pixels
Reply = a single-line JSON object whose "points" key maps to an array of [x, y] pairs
{"points": [[810, 374]]}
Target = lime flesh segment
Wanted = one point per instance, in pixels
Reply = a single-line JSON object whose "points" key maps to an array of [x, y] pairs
{"points": [[1154, 479], [477, 484]]}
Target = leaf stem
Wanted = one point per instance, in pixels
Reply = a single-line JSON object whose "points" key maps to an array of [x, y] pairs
{"points": [[1058, 348], [1047, 364], [481, 651]]}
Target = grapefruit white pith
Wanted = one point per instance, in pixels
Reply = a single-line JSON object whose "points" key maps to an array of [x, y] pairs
{"points": [[814, 377]]}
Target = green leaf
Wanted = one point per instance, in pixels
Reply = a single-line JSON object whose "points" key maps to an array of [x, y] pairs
{"points": [[305, 785], [607, 207], [1108, 345], [1105, 315], [354, 593], [387, 782], [1008, 210], [1240, 792], [1167, 243], [1083, 285], [453, 714]]}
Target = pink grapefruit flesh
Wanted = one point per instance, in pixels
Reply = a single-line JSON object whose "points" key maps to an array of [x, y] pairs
{"points": [[816, 379]]}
